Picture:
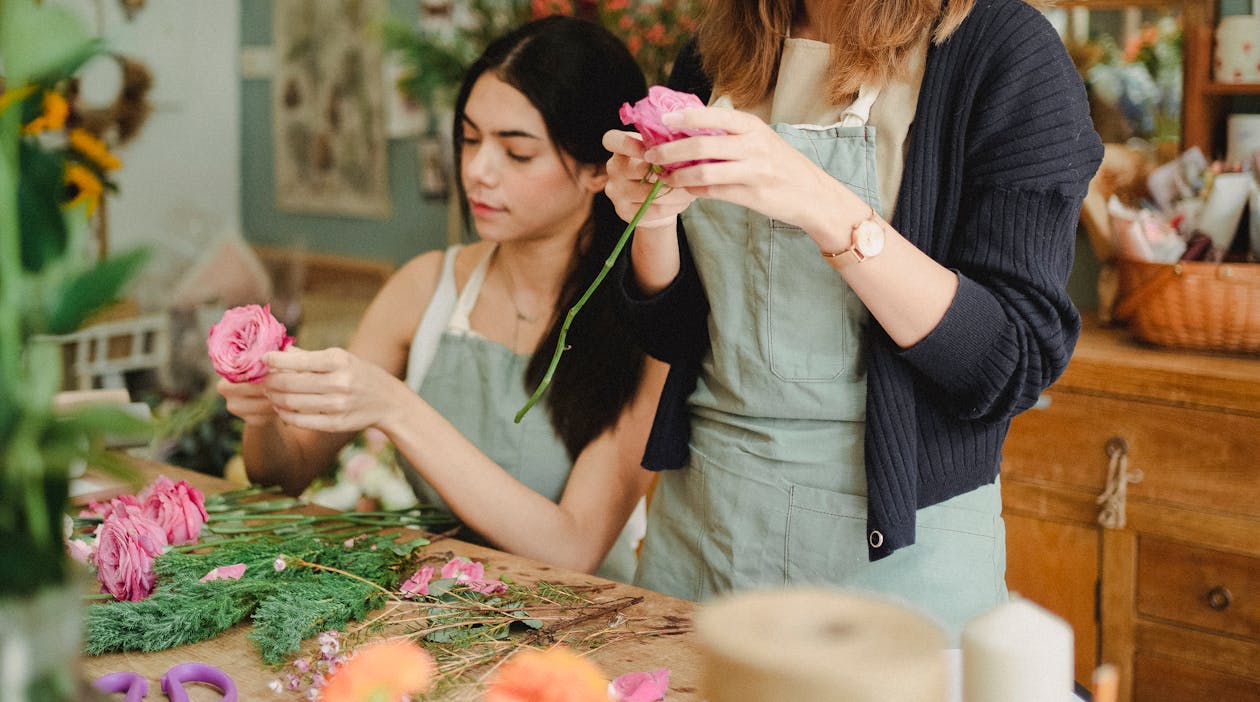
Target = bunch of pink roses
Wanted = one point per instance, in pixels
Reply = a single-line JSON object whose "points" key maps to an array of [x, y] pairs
{"points": [[134, 530]]}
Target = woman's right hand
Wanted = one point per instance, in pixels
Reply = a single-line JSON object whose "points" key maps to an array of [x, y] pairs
{"points": [[627, 187], [248, 401]]}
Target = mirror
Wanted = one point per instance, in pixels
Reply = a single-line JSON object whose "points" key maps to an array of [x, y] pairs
{"points": [[1131, 58]]}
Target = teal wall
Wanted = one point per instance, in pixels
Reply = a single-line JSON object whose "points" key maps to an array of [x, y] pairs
{"points": [[416, 224]]}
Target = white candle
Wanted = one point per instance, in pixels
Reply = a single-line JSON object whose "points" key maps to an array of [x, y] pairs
{"points": [[1017, 651]]}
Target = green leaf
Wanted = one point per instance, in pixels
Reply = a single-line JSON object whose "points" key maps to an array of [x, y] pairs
{"points": [[93, 289], [42, 42], [40, 192]]}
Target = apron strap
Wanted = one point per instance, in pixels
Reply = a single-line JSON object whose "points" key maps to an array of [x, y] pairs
{"points": [[859, 113], [444, 311]]}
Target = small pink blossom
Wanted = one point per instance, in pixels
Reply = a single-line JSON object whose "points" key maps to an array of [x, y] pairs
{"points": [[329, 643], [238, 342], [646, 686], [177, 506], [489, 587], [463, 570], [276, 686], [646, 115], [279, 564], [229, 572], [418, 583]]}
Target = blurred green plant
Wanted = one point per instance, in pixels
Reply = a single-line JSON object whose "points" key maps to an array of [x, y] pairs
{"points": [[50, 177]]}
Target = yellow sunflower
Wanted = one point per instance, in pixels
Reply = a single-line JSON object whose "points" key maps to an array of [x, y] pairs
{"points": [[84, 187], [94, 149], [56, 109]]}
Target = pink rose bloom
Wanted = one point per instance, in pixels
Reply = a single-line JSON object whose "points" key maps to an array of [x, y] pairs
{"points": [[228, 572], [418, 583], [104, 509], [645, 115], [463, 570], [178, 507], [81, 550], [648, 686], [239, 340], [126, 544]]}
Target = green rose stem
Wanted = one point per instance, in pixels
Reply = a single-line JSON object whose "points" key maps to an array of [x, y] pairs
{"points": [[568, 319]]}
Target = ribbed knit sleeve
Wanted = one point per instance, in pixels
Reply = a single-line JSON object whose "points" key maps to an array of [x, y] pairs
{"points": [[1029, 150]]}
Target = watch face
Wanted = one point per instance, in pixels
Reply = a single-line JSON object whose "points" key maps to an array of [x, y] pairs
{"points": [[869, 238]]}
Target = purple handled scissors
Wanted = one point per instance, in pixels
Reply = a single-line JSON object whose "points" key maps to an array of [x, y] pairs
{"points": [[137, 686]]}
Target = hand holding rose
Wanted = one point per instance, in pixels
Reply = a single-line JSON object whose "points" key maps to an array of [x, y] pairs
{"points": [[238, 342]]}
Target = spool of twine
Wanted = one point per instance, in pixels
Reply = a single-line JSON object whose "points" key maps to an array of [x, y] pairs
{"points": [[818, 645]]}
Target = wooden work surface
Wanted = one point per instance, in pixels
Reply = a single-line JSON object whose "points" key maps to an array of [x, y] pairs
{"points": [[234, 654]]}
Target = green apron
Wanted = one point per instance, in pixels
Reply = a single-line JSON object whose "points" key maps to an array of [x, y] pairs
{"points": [[478, 386], [775, 493]]}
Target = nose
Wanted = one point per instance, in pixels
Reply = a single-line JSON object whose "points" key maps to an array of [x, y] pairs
{"points": [[480, 165]]}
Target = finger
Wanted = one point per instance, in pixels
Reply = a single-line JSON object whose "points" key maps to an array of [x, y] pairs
{"points": [[623, 143], [291, 359], [250, 408], [728, 120], [307, 403]]}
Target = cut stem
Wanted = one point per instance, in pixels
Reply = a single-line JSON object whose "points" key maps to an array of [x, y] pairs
{"points": [[568, 318]]}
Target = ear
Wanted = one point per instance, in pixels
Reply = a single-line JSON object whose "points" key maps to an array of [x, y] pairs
{"points": [[593, 177]]}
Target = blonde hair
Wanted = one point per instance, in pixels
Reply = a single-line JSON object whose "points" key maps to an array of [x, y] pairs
{"points": [[741, 41]]}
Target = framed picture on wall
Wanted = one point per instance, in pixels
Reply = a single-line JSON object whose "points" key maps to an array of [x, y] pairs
{"points": [[328, 109]]}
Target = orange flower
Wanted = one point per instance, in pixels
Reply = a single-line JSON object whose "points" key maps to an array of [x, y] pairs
{"points": [[56, 109], [94, 149], [554, 675], [382, 671], [85, 188]]}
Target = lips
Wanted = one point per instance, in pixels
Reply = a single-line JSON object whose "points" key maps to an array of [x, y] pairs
{"points": [[484, 209]]}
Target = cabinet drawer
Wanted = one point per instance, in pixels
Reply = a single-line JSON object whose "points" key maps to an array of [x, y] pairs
{"points": [[1193, 457], [1199, 586], [1164, 680]]}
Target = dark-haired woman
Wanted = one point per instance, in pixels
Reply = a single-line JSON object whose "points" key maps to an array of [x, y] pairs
{"points": [[455, 342]]}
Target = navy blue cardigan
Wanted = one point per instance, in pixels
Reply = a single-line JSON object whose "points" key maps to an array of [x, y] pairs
{"points": [[999, 157]]}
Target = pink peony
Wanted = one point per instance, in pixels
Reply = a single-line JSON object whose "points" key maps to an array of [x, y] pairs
{"points": [[239, 340], [418, 583], [648, 686], [126, 544], [178, 507], [645, 115]]}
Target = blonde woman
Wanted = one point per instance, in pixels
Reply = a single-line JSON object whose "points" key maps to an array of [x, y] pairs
{"points": [[857, 287]]}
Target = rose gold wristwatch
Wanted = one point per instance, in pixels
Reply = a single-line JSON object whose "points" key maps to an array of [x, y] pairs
{"points": [[867, 241]]}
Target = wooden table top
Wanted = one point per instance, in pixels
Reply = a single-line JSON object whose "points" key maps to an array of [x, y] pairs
{"points": [[237, 656]]}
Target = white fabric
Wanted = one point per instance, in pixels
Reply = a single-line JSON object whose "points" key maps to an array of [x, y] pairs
{"points": [[445, 311]]}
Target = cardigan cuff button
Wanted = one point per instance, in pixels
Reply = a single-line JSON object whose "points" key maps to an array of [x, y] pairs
{"points": [[875, 539]]}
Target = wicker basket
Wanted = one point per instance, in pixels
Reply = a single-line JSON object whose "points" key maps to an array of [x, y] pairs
{"points": [[1191, 304]]}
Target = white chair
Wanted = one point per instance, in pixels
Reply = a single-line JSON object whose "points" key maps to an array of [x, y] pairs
{"points": [[102, 354]]}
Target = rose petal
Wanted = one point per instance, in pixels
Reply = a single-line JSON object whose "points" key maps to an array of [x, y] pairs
{"points": [[230, 572], [646, 686]]}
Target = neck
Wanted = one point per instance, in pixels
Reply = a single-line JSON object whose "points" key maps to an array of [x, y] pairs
{"points": [[534, 272]]}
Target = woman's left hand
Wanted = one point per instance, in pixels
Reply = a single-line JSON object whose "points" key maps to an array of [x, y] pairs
{"points": [[331, 390], [754, 166]]}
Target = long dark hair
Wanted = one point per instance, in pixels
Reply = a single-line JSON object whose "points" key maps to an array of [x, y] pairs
{"points": [[576, 74]]}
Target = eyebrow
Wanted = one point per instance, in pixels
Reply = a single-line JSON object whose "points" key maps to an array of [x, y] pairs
{"points": [[503, 133]]}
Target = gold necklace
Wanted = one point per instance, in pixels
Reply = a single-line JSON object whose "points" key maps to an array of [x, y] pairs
{"points": [[511, 291]]}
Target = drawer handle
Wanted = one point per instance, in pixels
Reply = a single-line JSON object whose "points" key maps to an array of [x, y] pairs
{"points": [[1219, 598]]}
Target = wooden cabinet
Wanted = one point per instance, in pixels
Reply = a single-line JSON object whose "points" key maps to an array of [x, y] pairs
{"points": [[1206, 102], [1169, 589]]}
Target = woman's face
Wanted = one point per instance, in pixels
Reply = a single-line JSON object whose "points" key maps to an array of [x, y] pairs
{"points": [[519, 185]]}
